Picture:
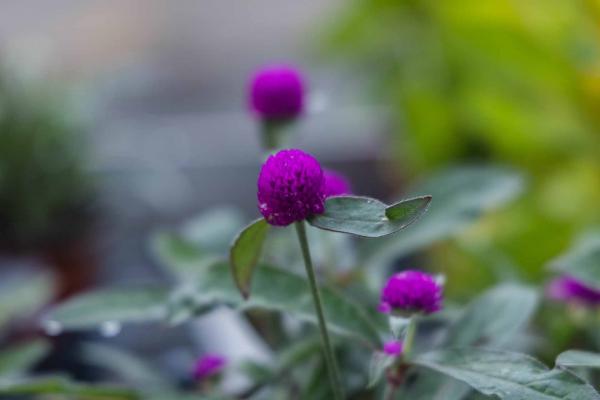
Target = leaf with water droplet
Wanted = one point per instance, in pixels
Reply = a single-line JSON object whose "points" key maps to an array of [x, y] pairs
{"points": [[364, 216], [91, 310], [510, 376]]}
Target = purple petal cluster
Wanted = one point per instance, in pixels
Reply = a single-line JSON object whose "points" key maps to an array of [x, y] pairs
{"points": [[393, 348], [336, 184], [290, 187], [209, 365], [569, 289], [411, 291], [277, 93]]}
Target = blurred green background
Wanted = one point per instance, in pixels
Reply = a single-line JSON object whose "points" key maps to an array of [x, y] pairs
{"points": [[500, 81]]}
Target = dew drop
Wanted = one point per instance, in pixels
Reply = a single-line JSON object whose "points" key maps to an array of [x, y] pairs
{"points": [[110, 328], [52, 328]]}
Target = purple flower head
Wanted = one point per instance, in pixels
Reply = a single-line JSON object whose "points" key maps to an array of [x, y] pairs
{"points": [[569, 289], [411, 291], [277, 93], [393, 348], [209, 365], [336, 184], [290, 187]]}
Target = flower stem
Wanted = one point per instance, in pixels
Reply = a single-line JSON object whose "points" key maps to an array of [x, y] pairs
{"points": [[272, 134], [410, 337], [334, 375]]}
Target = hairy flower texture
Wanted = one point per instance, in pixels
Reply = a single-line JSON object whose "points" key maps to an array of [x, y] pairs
{"points": [[277, 93], [290, 187], [209, 365], [411, 291], [569, 289], [393, 348], [336, 184]]}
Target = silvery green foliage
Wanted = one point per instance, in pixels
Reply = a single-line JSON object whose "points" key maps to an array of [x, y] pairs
{"points": [[460, 354]]}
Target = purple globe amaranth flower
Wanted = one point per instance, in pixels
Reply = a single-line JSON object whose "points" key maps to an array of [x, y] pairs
{"points": [[277, 93], [290, 187], [569, 289], [209, 365], [393, 348], [336, 184], [413, 292]]}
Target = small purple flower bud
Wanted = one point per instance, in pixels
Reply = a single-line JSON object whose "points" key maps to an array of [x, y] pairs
{"points": [[411, 291], [209, 365], [393, 348], [336, 184], [277, 93], [569, 289], [290, 187]]}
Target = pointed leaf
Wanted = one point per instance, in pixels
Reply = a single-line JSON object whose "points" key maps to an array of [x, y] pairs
{"points": [[408, 209], [363, 216], [280, 290], [578, 358], [119, 305], [495, 317], [461, 196], [245, 253], [510, 376], [582, 261]]}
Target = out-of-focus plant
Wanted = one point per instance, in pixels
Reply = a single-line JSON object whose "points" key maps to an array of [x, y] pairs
{"points": [[45, 190], [415, 345], [515, 82]]}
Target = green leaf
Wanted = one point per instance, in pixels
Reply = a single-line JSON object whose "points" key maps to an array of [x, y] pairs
{"points": [[426, 384], [582, 261], [180, 256], [123, 364], [117, 305], [245, 253], [22, 295], [510, 376], [279, 290], [65, 387], [495, 317], [19, 358], [461, 196], [379, 363], [363, 216], [213, 229], [578, 358], [408, 209]]}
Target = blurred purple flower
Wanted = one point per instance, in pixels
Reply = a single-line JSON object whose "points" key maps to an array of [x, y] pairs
{"points": [[569, 289], [277, 92], [336, 184], [411, 291], [290, 187], [393, 348], [209, 365]]}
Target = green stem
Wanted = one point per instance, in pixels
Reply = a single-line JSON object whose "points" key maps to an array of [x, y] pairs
{"points": [[334, 375], [410, 337], [273, 132]]}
